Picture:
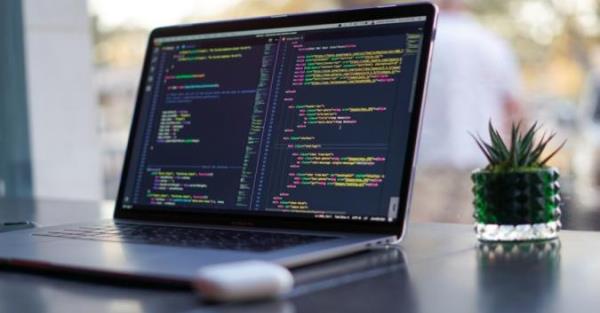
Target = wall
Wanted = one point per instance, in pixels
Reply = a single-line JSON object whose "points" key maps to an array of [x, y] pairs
{"points": [[65, 147], [15, 166]]}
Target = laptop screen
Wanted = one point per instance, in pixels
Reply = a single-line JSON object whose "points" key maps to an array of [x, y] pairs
{"points": [[309, 121]]}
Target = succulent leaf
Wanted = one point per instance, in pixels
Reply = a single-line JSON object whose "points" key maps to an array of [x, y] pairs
{"points": [[523, 152], [544, 161]]}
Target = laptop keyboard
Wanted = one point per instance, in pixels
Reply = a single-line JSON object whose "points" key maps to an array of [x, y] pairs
{"points": [[186, 236]]}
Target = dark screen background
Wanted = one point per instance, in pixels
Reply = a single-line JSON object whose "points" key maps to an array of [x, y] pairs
{"points": [[311, 124]]}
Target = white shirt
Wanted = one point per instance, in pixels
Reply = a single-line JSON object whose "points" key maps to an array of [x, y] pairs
{"points": [[473, 73]]}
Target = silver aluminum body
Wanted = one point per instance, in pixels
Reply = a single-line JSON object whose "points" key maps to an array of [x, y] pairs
{"points": [[179, 264], [22, 248]]}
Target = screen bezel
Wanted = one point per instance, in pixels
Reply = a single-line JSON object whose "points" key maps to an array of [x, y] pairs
{"points": [[391, 228]]}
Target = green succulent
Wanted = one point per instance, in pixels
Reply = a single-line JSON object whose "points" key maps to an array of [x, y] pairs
{"points": [[523, 151]]}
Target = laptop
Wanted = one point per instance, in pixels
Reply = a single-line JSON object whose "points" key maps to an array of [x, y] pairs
{"points": [[289, 138]]}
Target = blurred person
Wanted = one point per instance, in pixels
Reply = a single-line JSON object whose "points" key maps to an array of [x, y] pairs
{"points": [[474, 78], [586, 158]]}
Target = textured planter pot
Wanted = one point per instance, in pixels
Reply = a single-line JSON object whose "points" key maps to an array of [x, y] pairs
{"points": [[516, 206]]}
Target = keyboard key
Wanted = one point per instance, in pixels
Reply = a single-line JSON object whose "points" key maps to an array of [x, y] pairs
{"points": [[187, 236]]}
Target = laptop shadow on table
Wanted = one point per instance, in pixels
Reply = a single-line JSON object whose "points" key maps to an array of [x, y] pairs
{"points": [[342, 285], [318, 285]]}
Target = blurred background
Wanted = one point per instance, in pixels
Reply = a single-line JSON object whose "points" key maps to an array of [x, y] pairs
{"points": [[77, 64]]}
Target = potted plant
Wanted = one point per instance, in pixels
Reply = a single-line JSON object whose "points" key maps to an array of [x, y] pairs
{"points": [[516, 196]]}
